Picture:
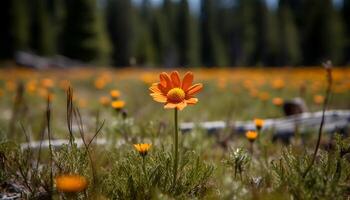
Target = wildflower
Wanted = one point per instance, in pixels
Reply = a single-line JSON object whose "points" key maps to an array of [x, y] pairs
{"points": [[318, 99], [71, 183], [47, 83], [100, 83], [10, 85], [118, 105], [277, 101], [1, 92], [278, 84], [147, 78], [264, 96], [259, 123], [142, 148], [174, 93], [82, 103], [105, 101], [115, 94], [251, 135], [65, 84], [31, 86]]}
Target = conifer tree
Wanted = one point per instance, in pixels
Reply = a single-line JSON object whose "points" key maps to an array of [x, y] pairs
{"points": [[186, 39], [14, 30], [246, 33], [120, 23], [80, 35], [346, 17], [212, 49], [289, 48], [323, 36], [41, 35]]}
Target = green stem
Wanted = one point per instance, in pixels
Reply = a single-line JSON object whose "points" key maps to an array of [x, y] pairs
{"points": [[144, 166], [176, 146], [251, 148]]}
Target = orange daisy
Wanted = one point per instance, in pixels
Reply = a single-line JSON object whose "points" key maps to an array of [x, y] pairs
{"points": [[71, 183], [175, 93]]}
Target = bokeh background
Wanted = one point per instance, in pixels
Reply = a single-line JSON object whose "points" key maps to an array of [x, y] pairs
{"points": [[44, 33]]}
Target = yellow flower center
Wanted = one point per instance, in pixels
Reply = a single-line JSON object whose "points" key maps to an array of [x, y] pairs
{"points": [[176, 95]]}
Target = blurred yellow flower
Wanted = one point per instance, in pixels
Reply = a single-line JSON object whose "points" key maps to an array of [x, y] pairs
{"points": [[118, 104], [82, 103], [278, 84], [115, 94], [142, 148], [277, 101], [251, 135], [100, 83], [47, 83], [10, 86], [264, 96], [105, 101], [259, 123], [71, 183], [318, 99], [64, 84], [31, 86]]}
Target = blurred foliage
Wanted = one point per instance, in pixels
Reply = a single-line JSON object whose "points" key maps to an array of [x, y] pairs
{"points": [[220, 33]]}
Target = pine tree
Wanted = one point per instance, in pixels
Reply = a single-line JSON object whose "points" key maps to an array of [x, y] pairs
{"points": [[161, 36], [186, 39], [14, 32], [289, 48], [80, 36], [169, 52], [41, 38], [266, 39], [346, 17], [245, 33], [120, 23], [213, 51], [323, 36]]}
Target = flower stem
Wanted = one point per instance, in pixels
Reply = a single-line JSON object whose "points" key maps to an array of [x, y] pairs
{"points": [[325, 105], [176, 144], [144, 166]]}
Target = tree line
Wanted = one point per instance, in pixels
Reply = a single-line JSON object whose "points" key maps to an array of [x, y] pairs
{"points": [[222, 33]]}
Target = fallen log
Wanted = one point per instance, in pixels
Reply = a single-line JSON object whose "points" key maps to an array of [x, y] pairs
{"points": [[335, 121]]}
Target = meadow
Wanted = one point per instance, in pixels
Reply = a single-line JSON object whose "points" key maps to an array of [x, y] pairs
{"points": [[86, 105]]}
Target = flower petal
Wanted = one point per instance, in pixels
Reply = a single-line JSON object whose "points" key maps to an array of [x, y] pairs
{"points": [[159, 97], [194, 89], [187, 80], [175, 78], [170, 105], [163, 89], [181, 105], [192, 101], [154, 88], [165, 80]]}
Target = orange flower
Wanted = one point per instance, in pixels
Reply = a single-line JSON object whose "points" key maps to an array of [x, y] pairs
{"points": [[115, 94], [118, 104], [47, 83], [277, 101], [318, 99], [142, 148], [71, 183], [259, 123], [104, 100], [251, 135], [175, 93]]}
